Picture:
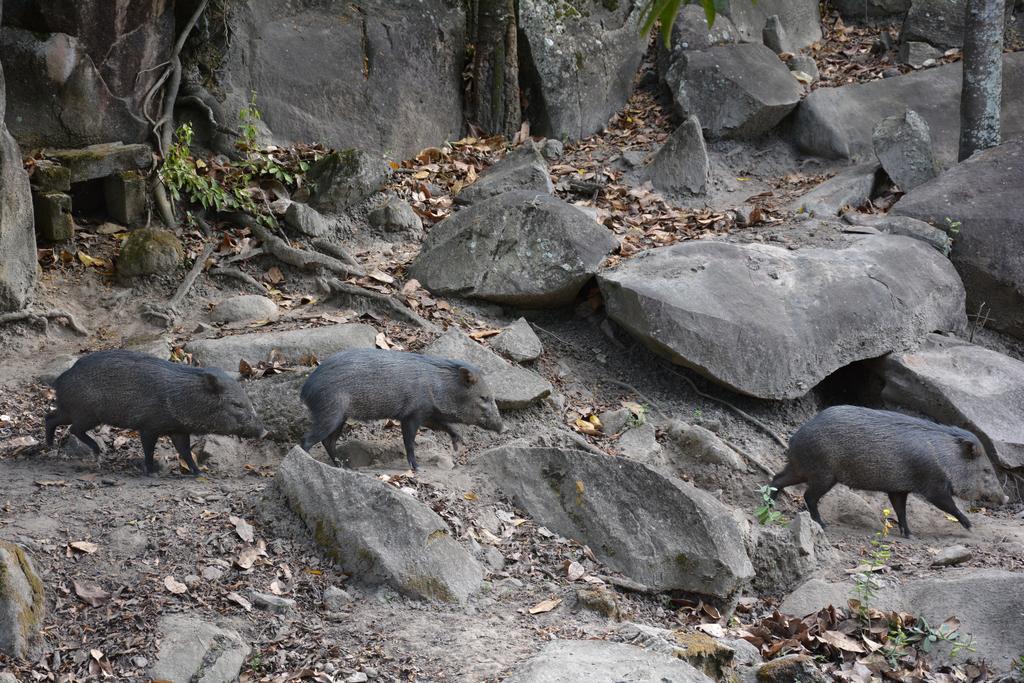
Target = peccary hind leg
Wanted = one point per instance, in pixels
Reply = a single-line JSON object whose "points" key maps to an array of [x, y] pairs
{"points": [[331, 441], [53, 420], [183, 444], [148, 440], [899, 505], [81, 432], [409, 428], [944, 501], [787, 477]]}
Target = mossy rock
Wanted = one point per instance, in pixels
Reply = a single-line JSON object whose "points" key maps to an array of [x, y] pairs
{"points": [[706, 654], [22, 605], [150, 252], [790, 669]]}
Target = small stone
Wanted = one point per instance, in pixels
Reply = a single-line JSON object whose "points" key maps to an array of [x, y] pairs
{"points": [[681, 166], [306, 220], [244, 308], [600, 600], [7, 678], [336, 598], [271, 603], [53, 216], [396, 216], [519, 342], [641, 444], [953, 555], [704, 446], [613, 421], [140, 662], [493, 558], [345, 178], [192, 580], [903, 145], [804, 64], [358, 677], [212, 573], [49, 176], [552, 149], [789, 669], [370, 672], [915, 53], [634, 158], [150, 252]]}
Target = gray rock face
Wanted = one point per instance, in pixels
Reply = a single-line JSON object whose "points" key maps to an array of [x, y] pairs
{"points": [[276, 401], [775, 37], [514, 387], [396, 215], [519, 342], [987, 602], [244, 308], [940, 22], [784, 556], [621, 509], [578, 64], [22, 604], [524, 168], [376, 533], [793, 316], [916, 53], [957, 383], [800, 19], [226, 352], [17, 236], [195, 650], [903, 225], [598, 661], [983, 194], [837, 123], [681, 166], [701, 445], [305, 220], [519, 248], [903, 145], [336, 74], [691, 32], [870, 9], [737, 91], [343, 179], [851, 187]]}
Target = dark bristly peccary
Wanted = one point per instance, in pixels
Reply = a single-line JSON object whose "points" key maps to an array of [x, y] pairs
{"points": [[152, 396], [416, 390], [879, 450]]}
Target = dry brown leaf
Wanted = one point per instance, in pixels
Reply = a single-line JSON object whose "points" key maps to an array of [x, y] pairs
{"points": [[240, 601], [91, 594], [545, 606], [841, 641], [575, 571], [84, 547], [243, 529], [175, 586]]}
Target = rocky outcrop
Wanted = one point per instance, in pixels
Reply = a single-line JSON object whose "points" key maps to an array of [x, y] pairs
{"points": [[621, 509], [519, 342], [17, 237], [691, 32], [736, 91], [22, 604], [192, 649], [848, 189], [225, 353], [343, 179], [599, 661], [903, 145], [681, 166], [983, 195], [519, 248], [772, 323], [954, 382], [577, 63], [940, 22], [784, 556], [837, 123], [376, 533]]}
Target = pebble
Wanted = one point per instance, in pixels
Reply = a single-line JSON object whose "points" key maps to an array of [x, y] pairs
{"points": [[336, 598], [271, 603], [140, 662], [211, 573], [358, 677], [951, 556]]}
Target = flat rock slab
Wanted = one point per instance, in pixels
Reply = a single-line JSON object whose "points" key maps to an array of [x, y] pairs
{"points": [[837, 123], [957, 383], [987, 602], [514, 387], [519, 342], [520, 248], [772, 323], [195, 651], [100, 161], [983, 194], [524, 168], [377, 533], [891, 224], [225, 353], [850, 187], [600, 661], [661, 532]]}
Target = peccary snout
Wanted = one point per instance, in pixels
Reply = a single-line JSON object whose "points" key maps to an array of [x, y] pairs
{"points": [[416, 390], [154, 397], [879, 450]]}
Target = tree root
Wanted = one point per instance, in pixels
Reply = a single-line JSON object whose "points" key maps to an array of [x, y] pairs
{"points": [[286, 253], [239, 275], [197, 102], [42, 317], [365, 299], [168, 312], [335, 250]]}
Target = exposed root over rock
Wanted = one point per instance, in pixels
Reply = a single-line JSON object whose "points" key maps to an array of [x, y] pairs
{"points": [[364, 299], [300, 258], [43, 318], [239, 275], [169, 312]]}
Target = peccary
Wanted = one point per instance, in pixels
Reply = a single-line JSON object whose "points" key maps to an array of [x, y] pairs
{"points": [[416, 390], [152, 396], [879, 450]]}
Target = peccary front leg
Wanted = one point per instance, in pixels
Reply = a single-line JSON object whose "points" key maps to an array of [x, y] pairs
{"points": [[53, 420], [944, 501], [183, 444], [787, 477], [81, 432], [331, 441], [148, 440], [815, 490], [899, 504], [410, 426], [456, 439]]}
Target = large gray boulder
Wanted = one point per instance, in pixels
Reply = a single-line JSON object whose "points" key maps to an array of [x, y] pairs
{"points": [[514, 387], [983, 194], [737, 91], [681, 166], [903, 145], [601, 661], [849, 188], [578, 65], [22, 604], [343, 179], [954, 382], [383, 76], [524, 168], [520, 248], [940, 22], [837, 123], [192, 649], [863, 10], [801, 19], [17, 234], [320, 342], [784, 556], [988, 603], [376, 533], [664, 533], [691, 32], [771, 322]]}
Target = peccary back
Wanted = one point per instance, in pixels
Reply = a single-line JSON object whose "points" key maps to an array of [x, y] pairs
{"points": [[879, 450], [153, 396], [369, 384]]}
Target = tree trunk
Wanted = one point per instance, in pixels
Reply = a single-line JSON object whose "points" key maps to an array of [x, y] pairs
{"points": [[982, 94], [494, 96]]}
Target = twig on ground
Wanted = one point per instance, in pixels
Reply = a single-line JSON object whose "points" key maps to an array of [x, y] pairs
{"points": [[42, 317], [169, 311], [286, 253], [357, 297], [239, 275], [335, 250], [583, 443]]}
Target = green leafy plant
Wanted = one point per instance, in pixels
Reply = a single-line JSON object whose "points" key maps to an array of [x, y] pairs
{"points": [[952, 227], [1018, 663], [181, 174], [865, 582], [767, 514], [922, 636], [248, 116]]}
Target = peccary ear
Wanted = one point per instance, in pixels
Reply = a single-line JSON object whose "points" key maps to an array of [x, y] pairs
{"points": [[468, 377], [970, 452], [213, 383]]}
